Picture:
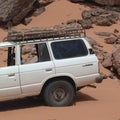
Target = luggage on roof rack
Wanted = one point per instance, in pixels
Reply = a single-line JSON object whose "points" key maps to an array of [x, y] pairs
{"points": [[46, 33]]}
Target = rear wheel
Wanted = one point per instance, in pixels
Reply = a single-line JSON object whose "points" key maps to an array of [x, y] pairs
{"points": [[59, 93]]}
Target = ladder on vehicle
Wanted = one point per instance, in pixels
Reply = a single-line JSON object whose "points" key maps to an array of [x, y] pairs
{"points": [[45, 34]]}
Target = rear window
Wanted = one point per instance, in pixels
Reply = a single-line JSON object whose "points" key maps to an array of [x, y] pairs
{"points": [[69, 49]]}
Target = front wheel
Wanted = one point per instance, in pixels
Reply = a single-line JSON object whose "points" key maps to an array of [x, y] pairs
{"points": [[59, 93]]}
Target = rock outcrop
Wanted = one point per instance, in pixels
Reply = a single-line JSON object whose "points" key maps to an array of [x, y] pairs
{"points": [[102, 2], [14, 11], [108, 2], [111, 60], [96, 16], [116, 60]]}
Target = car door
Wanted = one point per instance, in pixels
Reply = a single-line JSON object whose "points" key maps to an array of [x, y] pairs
{"points": [[36, 66], [9, 74]]}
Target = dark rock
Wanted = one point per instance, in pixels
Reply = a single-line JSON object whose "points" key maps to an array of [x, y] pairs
{"points": [[106, 34], [111, 76], [103, 21], [108, 2], [107, 62], [110, 40], [116, 60], [97, 12], [116, 31], [113, 18], [39, 11], [86, 23], [72, 21], [101, 2], [107, 20], [93, 43], [15, 10], [86, 14], [27, 21], [118, 41], [93, 19], [116, 9], [99, 17]]}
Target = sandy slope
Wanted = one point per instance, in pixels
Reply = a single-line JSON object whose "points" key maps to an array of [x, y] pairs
{"points": [[56, 13], [102, 103]]}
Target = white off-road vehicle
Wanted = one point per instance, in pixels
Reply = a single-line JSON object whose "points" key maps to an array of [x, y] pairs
{"points": [[54, 65]]}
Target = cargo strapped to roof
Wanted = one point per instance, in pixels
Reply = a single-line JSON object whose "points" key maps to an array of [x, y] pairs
{"points": [[46, 33]]}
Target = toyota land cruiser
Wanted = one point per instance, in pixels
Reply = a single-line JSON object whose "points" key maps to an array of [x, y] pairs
{"points": [[52, 67]]}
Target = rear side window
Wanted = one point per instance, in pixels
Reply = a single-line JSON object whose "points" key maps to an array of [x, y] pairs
{"points": [[69, 49], [43, 53]]}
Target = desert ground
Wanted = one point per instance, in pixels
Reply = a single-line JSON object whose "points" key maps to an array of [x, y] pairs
{"points": [[102, 103]]}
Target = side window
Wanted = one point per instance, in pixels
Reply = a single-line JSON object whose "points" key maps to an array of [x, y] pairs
{"points": [[7, 56], [69, 49], [43, 53], [33, 53]]}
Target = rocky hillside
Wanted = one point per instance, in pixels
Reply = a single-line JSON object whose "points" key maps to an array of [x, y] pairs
{"points": [[108, 2], [102, 2], [14, 11]]}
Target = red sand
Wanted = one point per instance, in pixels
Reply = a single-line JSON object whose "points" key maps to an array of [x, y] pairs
{"points": [[102, 103]]}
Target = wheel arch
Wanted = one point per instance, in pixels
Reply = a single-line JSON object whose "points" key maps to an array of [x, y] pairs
{"points": [[64, 78]]}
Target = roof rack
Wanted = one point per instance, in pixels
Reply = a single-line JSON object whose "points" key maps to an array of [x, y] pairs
{"points": [[46, 33]]}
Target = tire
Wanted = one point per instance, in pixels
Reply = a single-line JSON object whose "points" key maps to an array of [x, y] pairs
{"points": [[59, 93]]}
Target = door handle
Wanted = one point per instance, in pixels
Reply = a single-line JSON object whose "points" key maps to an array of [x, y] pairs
{"points": [[86, 65], [11, 75], [48, 69]]}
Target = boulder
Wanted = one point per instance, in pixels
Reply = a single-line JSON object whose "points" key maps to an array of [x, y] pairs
{"points": [[116, 60], [101, 2], [93, 42], [108, 2], [39, 11], [105, 34], [99, 17], [118, 41], [111, 40], [97, 11], [107, 62], [15, 10], [86, 23], [116, 31], [107, 20], [26, 21], [86, 14]]}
